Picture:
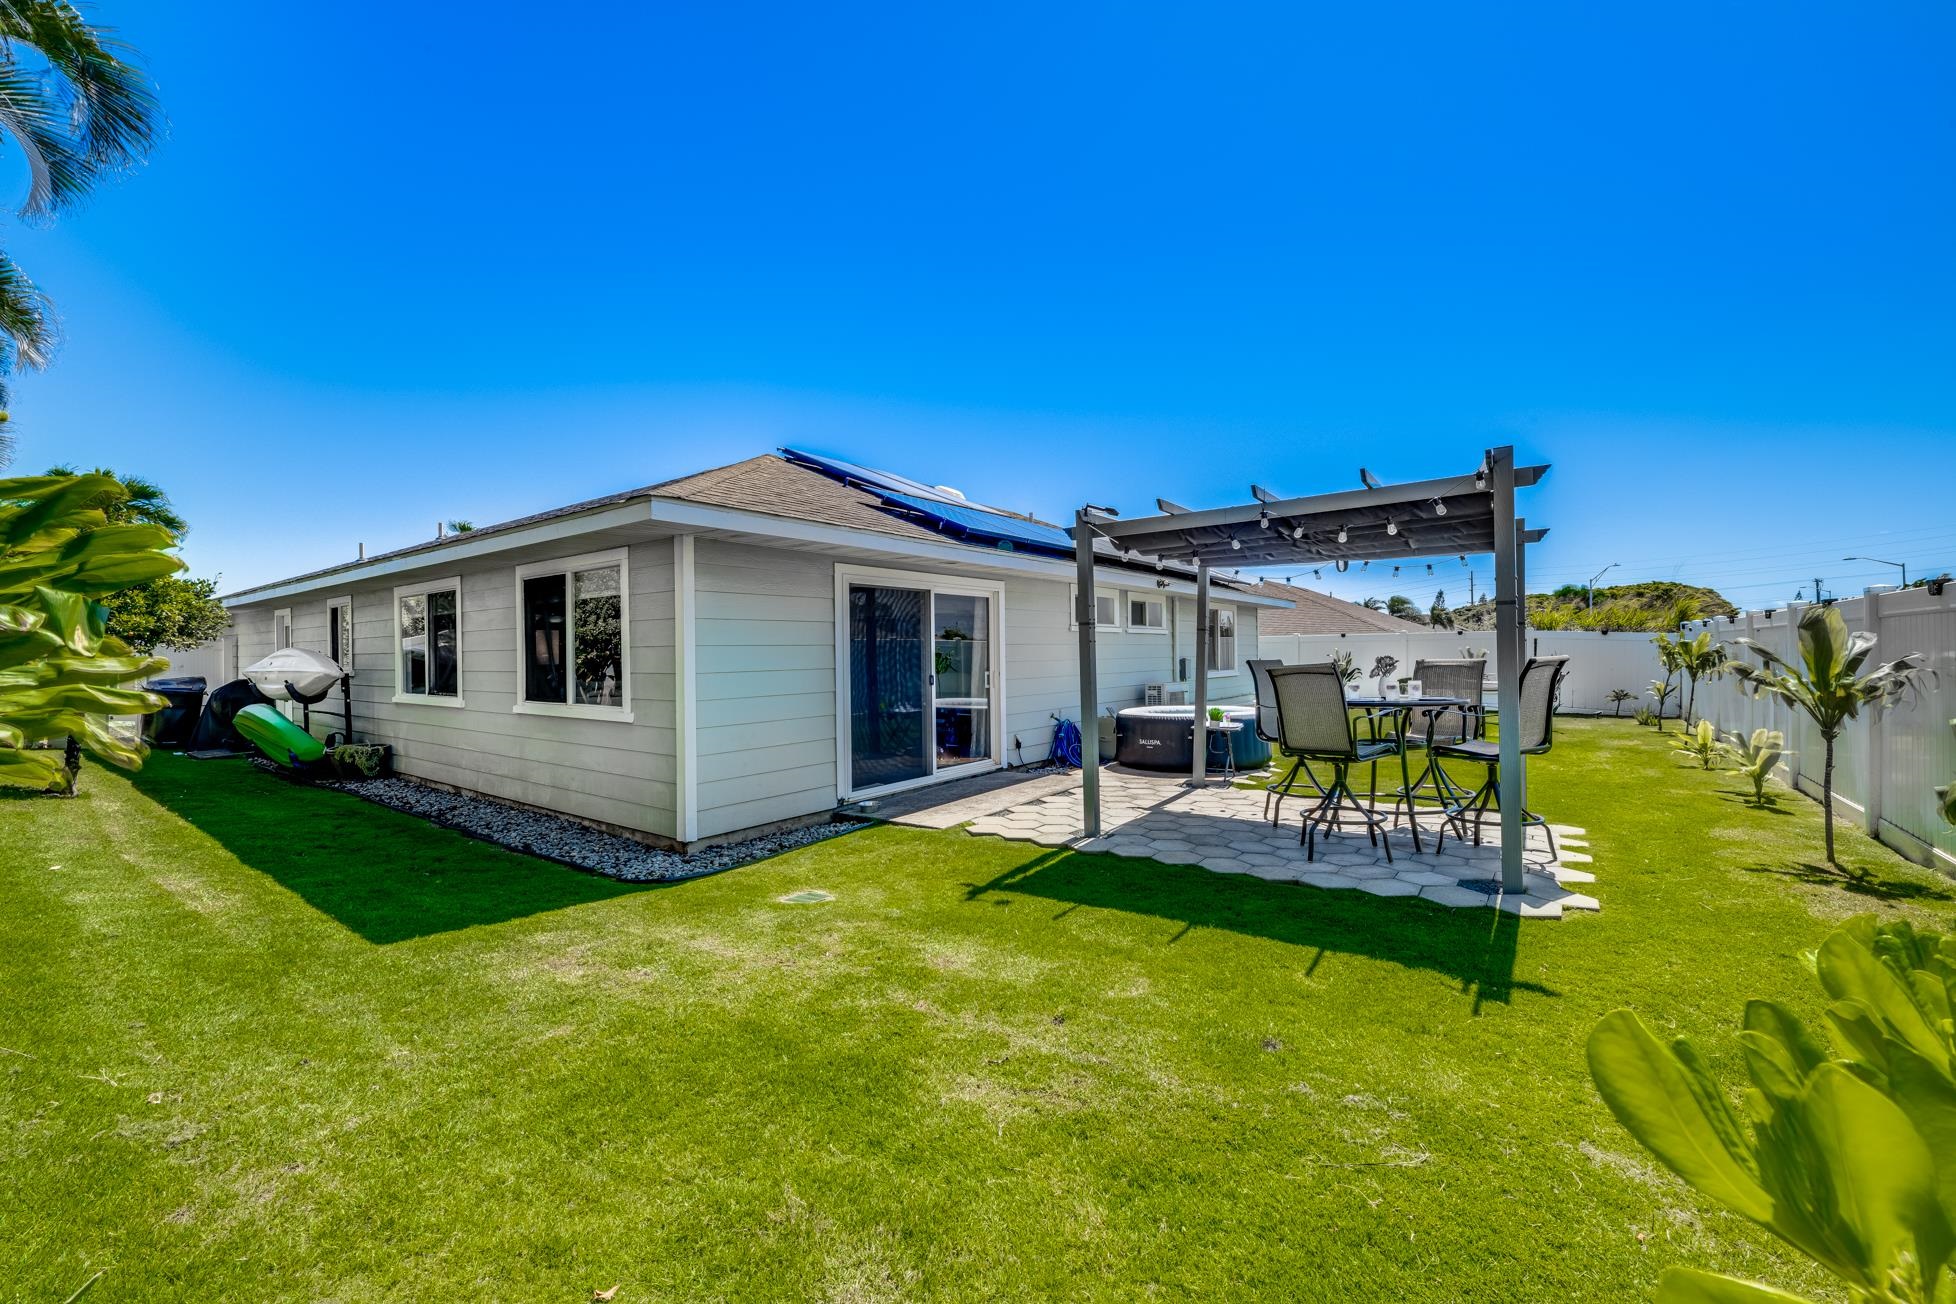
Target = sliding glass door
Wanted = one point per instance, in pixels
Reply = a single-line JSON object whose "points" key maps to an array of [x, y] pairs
{"points": [[919, 680], [961, 673], [888, 695]]}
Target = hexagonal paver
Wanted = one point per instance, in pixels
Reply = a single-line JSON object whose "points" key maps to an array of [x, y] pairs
{"points": [[1426, 878], [1389, 887], [1225, 865], [1458, 897], [1530, 907], [1330, 882]]}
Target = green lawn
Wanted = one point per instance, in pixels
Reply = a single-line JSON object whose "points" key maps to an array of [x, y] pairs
{"points": [[267, 1043]]}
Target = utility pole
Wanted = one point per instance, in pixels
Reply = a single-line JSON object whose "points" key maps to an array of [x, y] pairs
{"points": [[1597, 576], [1879, 562]]}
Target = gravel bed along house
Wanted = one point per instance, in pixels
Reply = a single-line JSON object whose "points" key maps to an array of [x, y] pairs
{"points": [[556, 838]]}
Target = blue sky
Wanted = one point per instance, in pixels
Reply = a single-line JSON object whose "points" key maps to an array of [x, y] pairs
{"points": [[445, 261]]}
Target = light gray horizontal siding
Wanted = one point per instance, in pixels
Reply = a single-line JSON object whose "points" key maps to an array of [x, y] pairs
{"points": [[765, 684], [618, 773]]}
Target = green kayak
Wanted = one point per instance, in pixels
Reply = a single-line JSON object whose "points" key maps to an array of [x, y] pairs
{"points": [[277, 737]]}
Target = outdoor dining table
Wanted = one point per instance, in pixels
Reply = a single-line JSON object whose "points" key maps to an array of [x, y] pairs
{"points": [[1400, 708]]}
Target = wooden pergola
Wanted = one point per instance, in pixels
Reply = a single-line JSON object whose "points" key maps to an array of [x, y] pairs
{"points": [[1472, 513]]}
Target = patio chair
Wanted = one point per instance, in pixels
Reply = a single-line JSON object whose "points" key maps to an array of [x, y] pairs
{"points": [[1268, 729], [1313, 723], [1541, 679], [1427, 727]]}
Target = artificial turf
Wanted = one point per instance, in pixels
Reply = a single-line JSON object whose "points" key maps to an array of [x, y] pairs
{"points": [[267, 1042]]}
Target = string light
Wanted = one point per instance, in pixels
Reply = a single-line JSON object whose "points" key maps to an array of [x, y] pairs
{"points": [[1263, 520], [1343, 534], [1235, 545], [1392, 527]]}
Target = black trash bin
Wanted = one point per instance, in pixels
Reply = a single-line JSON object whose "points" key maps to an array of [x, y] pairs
{"points": [[173, 725]]}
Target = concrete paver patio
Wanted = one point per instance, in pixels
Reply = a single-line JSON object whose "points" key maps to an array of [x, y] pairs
{"points": [[1222, 828]]}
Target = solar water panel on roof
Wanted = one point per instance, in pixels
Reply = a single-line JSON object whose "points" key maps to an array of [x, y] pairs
{"points": [[990, 525]]}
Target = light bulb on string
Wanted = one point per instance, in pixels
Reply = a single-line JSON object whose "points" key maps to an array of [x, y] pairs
{"points": [[1392, 527], [1343, 534]]}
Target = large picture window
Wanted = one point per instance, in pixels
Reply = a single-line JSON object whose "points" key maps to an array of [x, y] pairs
{"points": [[428, 642], [573, 655]]}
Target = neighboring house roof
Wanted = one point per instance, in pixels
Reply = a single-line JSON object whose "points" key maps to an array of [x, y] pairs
{"points": [[767, 485], [1312, 612]]}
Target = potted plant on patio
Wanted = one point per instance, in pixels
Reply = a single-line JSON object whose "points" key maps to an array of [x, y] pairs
{"points": [[1382, 668]]}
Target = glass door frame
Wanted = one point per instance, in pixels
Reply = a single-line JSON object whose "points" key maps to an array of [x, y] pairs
{"points": [[848, 576]]}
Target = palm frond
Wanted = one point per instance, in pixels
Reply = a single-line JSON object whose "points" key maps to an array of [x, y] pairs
{"points": [[90, 111]]}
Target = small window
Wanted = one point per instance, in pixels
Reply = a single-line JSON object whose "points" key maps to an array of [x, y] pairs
{"points": [[339, 632], [574, 645], [1106, 609], [1145, 613], [1222, 639], [428, 632], [281, 629]]}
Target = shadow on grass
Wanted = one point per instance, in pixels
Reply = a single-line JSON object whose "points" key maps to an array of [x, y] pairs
{"points": [[1476, 947], [386, 876], [1867, 885], [1742, 798]]}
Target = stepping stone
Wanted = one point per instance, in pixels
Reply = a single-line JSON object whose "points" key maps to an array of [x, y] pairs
{"points": [[1531, 907], [1456, 896], [1330, 882], [1577, 858]]}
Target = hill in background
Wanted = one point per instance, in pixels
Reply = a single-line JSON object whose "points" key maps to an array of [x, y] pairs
{"points": [[1650, 605]]}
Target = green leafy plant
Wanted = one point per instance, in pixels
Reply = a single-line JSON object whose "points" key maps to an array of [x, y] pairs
{"points": [[1829, 684], [1346, 666], [1671, 657], [1756, 756], [1381, 668], [1701, 743], [1850, 1157], [61, 673], [1644, 716], [1618, 696], [1661, 689]]}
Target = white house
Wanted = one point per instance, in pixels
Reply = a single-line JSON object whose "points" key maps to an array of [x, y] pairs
{"points": [[737, 648]]}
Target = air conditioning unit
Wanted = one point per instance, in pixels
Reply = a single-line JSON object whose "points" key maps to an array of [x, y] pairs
{"points": [[1164, 695]]}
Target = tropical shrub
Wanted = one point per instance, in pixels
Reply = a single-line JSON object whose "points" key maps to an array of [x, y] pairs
{"points": [[1661, 689], [1346, 667], [1851, 1156], [1700, 657], [1644, 716], [1756, 757], [61, 673], [1618, 696], [1701, 743], [1829, 685]]}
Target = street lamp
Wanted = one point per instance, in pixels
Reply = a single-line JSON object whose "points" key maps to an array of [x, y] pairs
{"points": [[1879, 562], [1592, 582]]}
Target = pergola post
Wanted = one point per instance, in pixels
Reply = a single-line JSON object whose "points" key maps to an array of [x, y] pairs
{"points": [[1508, 658], [1086, 609], [1199, 766], [1521, 616]]}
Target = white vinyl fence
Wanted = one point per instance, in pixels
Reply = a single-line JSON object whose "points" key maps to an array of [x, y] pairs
{"points": [[1886, 766]]}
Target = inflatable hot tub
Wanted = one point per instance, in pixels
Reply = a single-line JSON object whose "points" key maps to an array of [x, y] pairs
{"points": [[1163, 738]]}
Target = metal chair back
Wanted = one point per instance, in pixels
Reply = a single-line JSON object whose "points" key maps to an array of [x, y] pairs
{"points": [[1267, 727], [1541, 677], [1462, 679], [1312, 719]]}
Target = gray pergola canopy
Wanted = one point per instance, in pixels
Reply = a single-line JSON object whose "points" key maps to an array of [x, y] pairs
{"points": [[1472, 513]]}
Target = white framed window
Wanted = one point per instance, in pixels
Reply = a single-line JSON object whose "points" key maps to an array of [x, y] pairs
{"points": [[1106, 609], [1222, 640], [1147, 613], [428, 643], [573, 637], [281, 629], [339, 632]]}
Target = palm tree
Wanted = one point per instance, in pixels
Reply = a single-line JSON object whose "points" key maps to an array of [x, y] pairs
{"points": [[1828, 684], [78, 110], [142, 501], [1670, 655], [1699, 658], [1619, 696]]}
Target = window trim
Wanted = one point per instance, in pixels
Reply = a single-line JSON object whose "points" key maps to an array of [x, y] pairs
{"points": [[1131, 596], [345, 600], [566, 566], [284, 613], [422, 589]]}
